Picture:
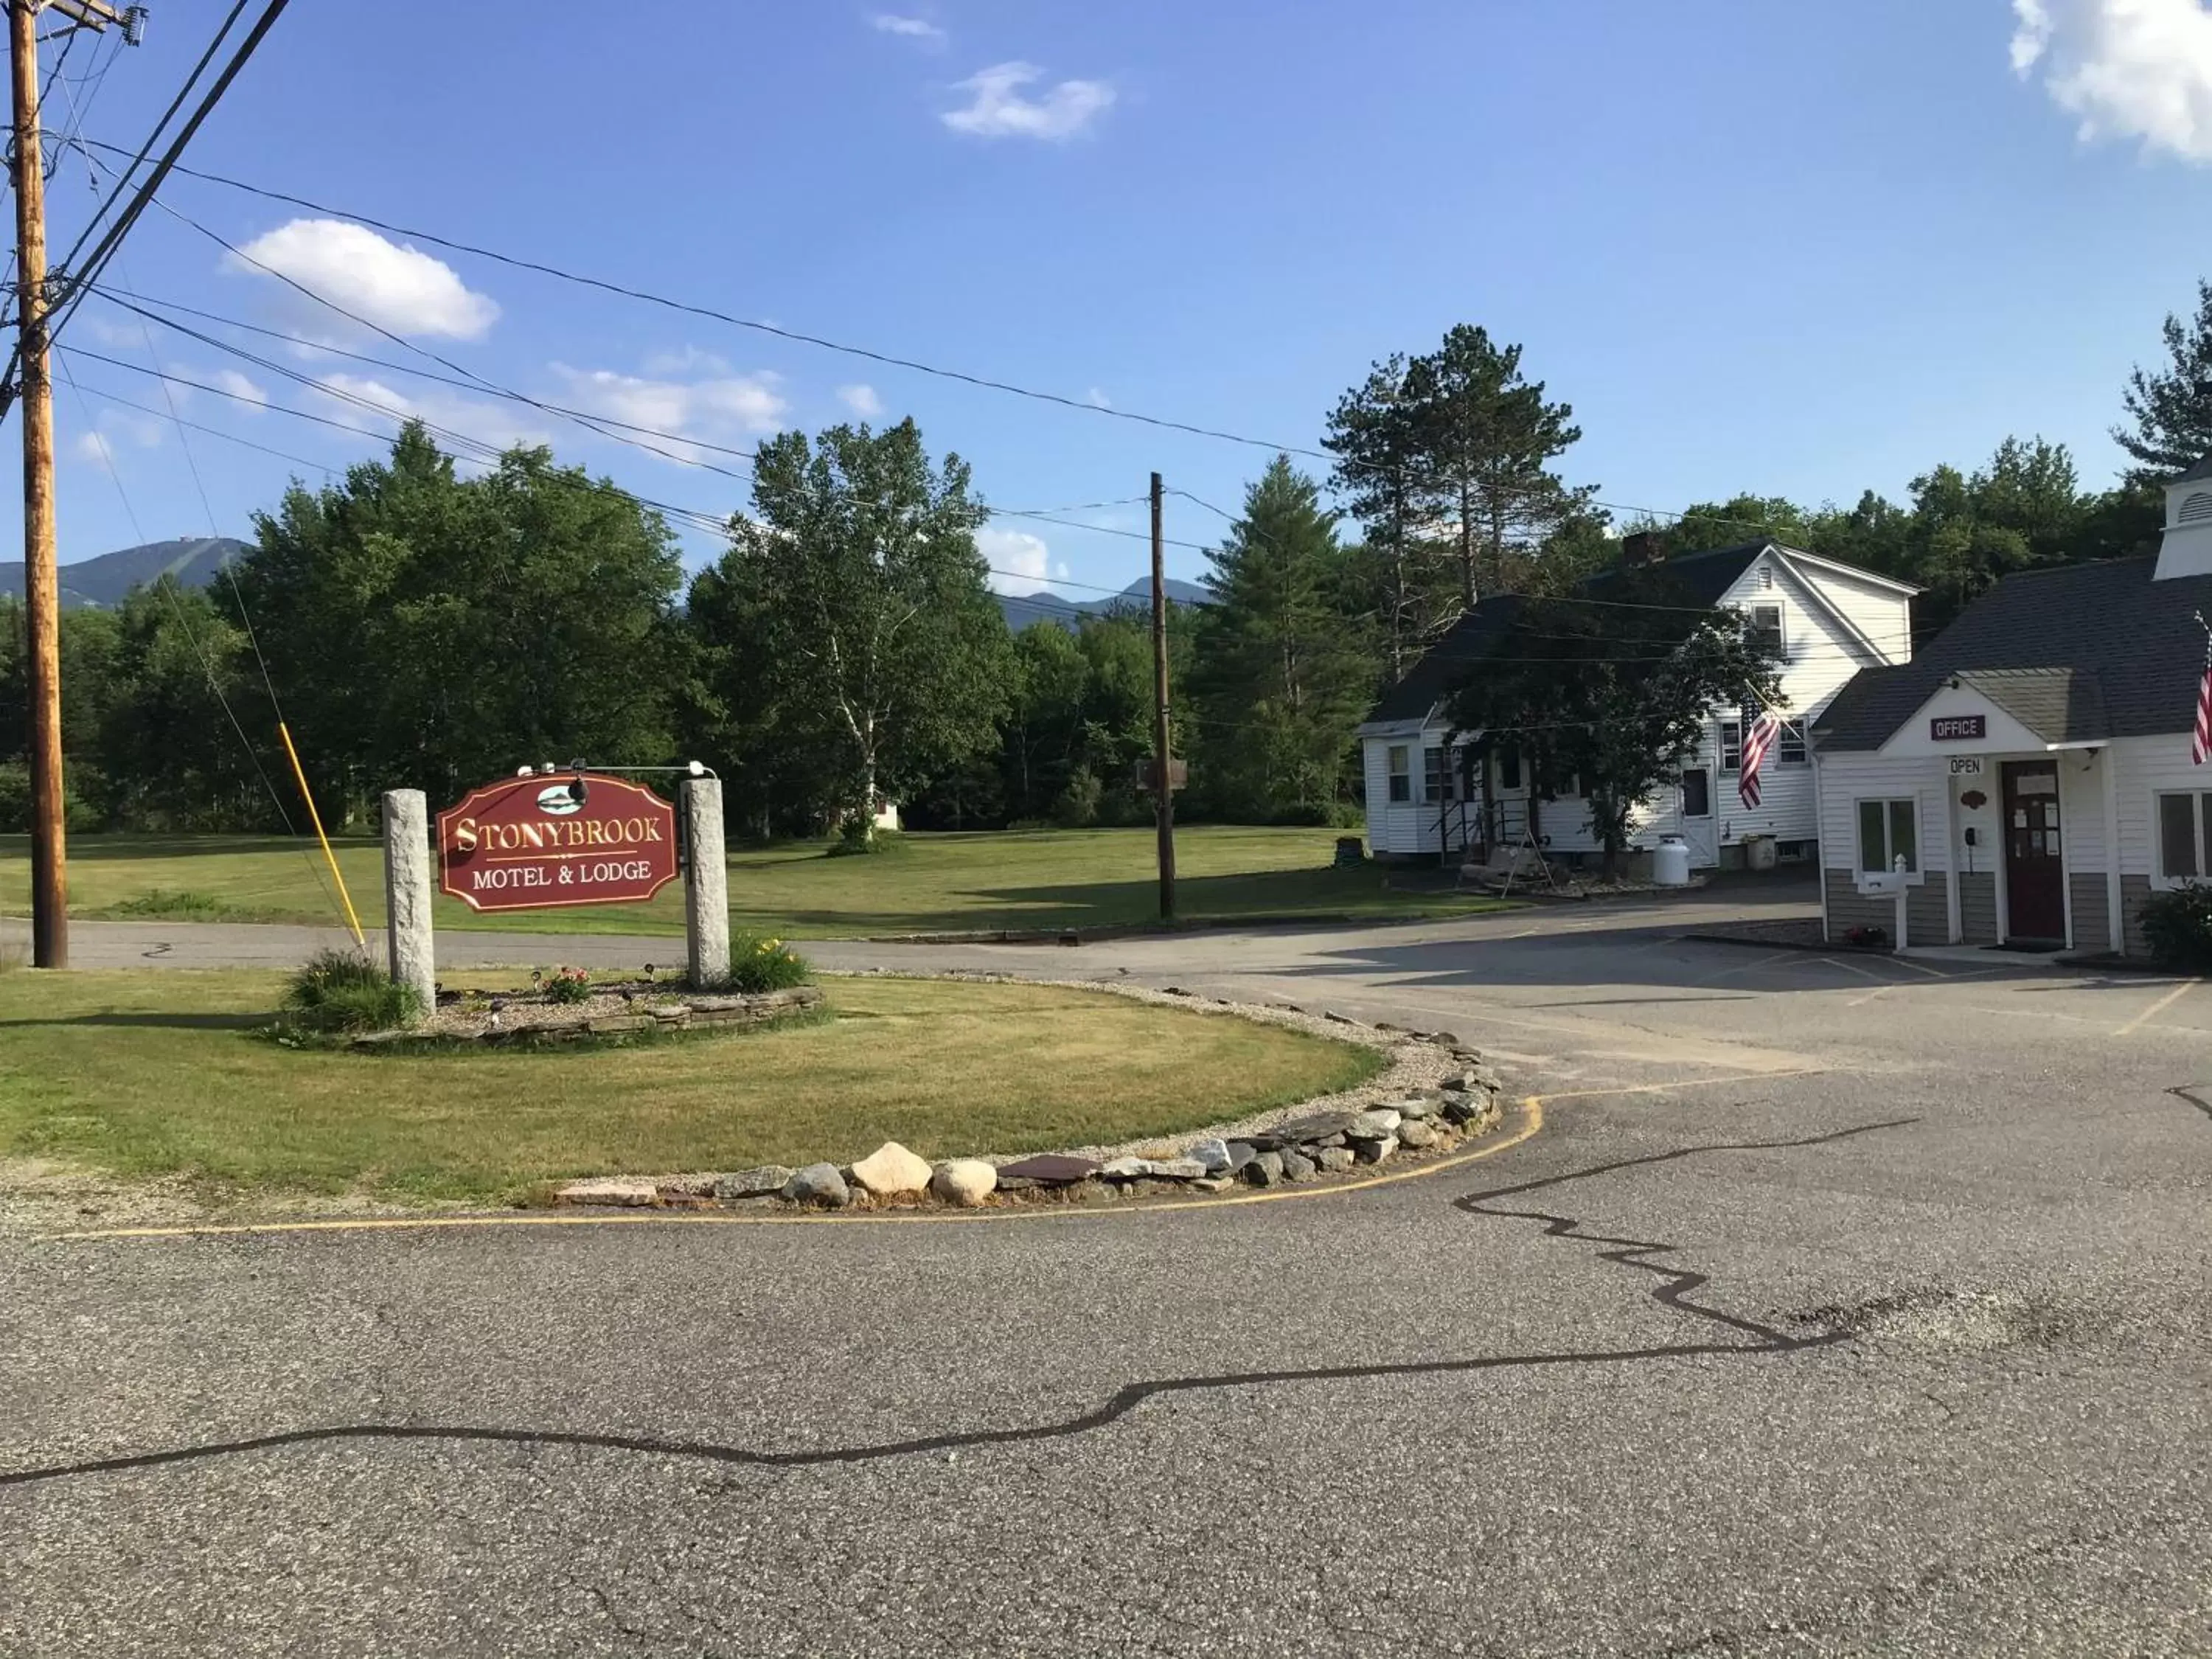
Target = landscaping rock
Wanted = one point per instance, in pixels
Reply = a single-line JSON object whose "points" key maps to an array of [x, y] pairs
{"points": [[1125, 1169], [1414, 1110], [1096, 1192], [1241, 1152], [891, 1169], [1334, 1160], [1373, 1125], [1211, 1184], [1416, 1134], [1212, 1155], [1052, 1169], [966, 1181], [819, 1184], [1265, 1170], [1297, 1166], [615, 1189], [1374, 1151], [1313, 1129], [765, 1181], [1178, 1169]]}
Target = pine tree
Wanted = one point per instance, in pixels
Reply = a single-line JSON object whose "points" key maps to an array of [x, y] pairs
{"points": [[1279, 680], [2173, 409], [1398, 573]]}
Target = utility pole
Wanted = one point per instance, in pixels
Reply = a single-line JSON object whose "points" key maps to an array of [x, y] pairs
{"points": [[41, 581], [1163, 785]]}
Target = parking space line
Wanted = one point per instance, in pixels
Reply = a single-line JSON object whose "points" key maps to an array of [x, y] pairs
{"points": [[1863, 973], [2158, 1007]]}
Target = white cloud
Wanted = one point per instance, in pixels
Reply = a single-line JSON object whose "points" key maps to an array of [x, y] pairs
{"points": [[688, 361], [362, 401], [243, 391], [997, 108], [93, 447], [862, 400], [1020, 562], [2123, 68], [707, 411], [913, 28], [387, 284], [1097, 399]]}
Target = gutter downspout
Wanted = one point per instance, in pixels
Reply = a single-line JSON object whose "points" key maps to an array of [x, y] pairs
{"points": [[1819, 829]]}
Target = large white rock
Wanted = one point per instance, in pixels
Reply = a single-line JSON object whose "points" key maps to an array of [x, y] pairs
{"points": [[966, 1181], [891, 1169]]}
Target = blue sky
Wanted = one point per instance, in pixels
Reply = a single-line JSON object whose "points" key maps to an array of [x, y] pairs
{"points": [[1794, 249]]}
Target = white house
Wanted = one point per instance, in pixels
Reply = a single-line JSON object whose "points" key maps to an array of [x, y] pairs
{"points": [[1426, 796], [2032, 766]]}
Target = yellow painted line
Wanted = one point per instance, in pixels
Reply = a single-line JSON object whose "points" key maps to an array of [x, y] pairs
{"points": [[1532, 1120], [1685, 1083], [2158, 1007]]}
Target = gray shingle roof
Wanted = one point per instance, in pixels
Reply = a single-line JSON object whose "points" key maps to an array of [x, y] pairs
{"points": [[2077, 654], [1700, 577], [2195, 474]]}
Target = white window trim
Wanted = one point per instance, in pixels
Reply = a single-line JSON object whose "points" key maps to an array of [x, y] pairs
{"points": [[1748, 609], [2160, 881], [1917, 877], [1391, 774]]}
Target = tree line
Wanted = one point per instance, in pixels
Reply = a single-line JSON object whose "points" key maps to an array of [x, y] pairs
{"points": [[422, 627]]}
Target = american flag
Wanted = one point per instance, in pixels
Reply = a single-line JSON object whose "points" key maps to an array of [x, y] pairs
{"points": [[1760, 733], [2201, 745]]}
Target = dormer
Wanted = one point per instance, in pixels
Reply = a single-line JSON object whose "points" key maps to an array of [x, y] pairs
{"points": [[2186, 549]]}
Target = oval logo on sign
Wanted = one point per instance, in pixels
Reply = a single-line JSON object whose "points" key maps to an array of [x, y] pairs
{"points": [[557, 802]]}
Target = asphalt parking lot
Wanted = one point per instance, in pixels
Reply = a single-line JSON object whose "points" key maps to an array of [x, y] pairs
{"points": [[1809, 1304]]}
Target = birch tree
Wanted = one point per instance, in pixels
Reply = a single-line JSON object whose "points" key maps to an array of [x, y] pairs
{"points": [[869, 608]]}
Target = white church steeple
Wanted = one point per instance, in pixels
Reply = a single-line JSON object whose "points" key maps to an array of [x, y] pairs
{"points": [[2186, 550]]}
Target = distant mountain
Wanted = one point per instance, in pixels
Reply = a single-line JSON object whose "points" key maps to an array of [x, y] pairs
{"points": [[103, 582], [1024, 609]]}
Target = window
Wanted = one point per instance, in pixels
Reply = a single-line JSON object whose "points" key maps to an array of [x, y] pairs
{"points": [[1508, 769], [1697, 793], [1731, 745], [1401, 781], [2184, 821], [1790, 748], [1888, 832], [1438, 780], [1763, 629]]}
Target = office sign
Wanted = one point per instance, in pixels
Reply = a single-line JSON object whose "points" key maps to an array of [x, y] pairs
{"points": [[540, 842], [1958, 728]]}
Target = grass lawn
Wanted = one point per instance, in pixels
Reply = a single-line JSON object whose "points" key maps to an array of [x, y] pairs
{"points": [[145, 1073], [926, 884]]}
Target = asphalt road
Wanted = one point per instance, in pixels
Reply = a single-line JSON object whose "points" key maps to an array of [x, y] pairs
{"points": [[1838, 1306]]}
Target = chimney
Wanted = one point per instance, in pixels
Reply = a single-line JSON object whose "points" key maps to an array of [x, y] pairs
{"points": [[1639, 547]]}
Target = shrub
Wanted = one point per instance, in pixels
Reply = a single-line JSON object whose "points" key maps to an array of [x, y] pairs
{"points": [[2178, 926], [1078, 805], [339, 991], [169, 902], [564, 986], [764, 964]]}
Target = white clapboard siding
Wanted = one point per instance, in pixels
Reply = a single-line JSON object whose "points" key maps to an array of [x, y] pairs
{"points": [[2146, 766], [1848, 779]]}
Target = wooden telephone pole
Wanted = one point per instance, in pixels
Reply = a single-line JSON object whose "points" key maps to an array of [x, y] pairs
{"points": [[41, 581], [1162, 785]]}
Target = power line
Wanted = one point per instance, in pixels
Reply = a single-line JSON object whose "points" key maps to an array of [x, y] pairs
{"points": [[891, 360]]}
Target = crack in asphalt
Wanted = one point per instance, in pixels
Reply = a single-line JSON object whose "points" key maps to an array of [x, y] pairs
{"points": [[1674, 1293], [2189, 1092]]}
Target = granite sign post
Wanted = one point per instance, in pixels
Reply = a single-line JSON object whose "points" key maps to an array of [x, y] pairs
{"points": [[407, 894], [706, 884]]}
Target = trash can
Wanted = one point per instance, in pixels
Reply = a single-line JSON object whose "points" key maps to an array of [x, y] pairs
{"points": [[1758, 852], [1670, 863]]}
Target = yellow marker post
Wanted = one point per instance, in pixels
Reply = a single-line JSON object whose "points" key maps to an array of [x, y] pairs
{"points": [[316, 819]]}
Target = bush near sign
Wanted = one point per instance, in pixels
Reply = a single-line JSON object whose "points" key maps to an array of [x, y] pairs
{"points": [[1957, 728], [529, 844]]}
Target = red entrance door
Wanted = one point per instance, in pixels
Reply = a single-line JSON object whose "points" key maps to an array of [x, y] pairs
{"points": [[2035, 874]]}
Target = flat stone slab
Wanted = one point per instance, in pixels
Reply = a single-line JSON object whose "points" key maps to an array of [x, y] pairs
{"points": [[764, 1181], [1052, 1169], [1316, 1126], [628, 1191]]}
